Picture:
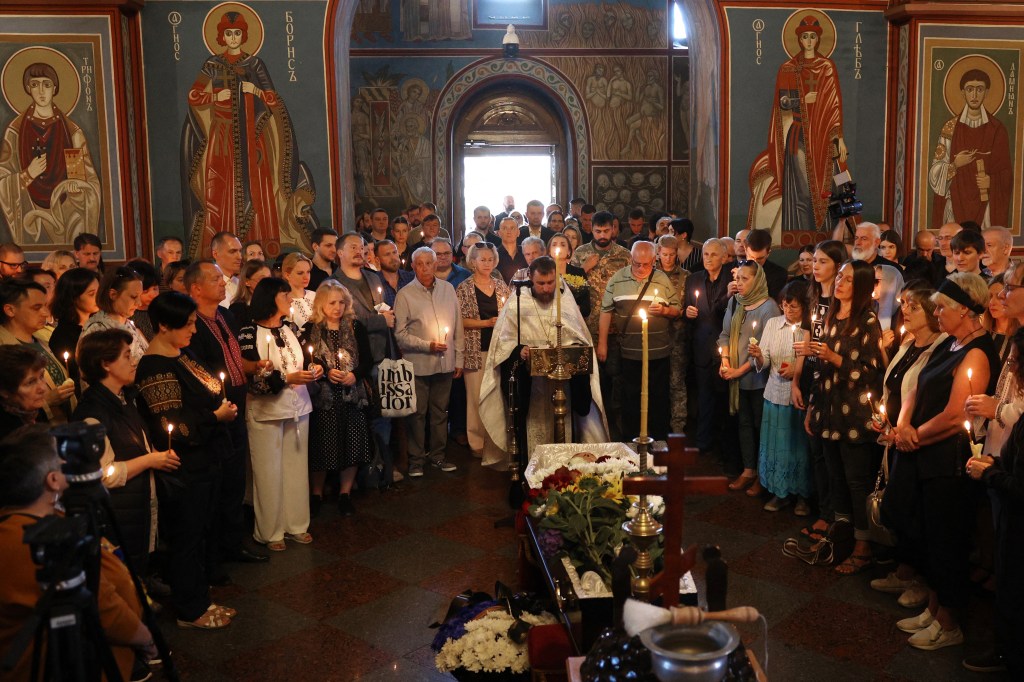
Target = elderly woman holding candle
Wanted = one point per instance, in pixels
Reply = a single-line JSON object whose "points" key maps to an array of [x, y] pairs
{"points": [[851, 367], [899, 508], [934, 448], [783, 465], [339, 426], [182, 398], [745, 318], [481, 298], [277, 415]]}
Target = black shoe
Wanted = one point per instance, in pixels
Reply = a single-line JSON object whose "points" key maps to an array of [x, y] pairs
{"points": [[989, 662], [157, 588], [345, 507], [140, 671], [219, 579], [315, 502], [248, 556]]}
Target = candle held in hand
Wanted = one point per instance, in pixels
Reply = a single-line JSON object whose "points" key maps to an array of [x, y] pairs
{"points": [[753, 337], [970, 375], [66, 366], [170, 430], [223, 387]]}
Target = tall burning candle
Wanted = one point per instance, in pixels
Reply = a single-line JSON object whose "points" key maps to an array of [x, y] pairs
{"points": [[170, 430], [970, 375], [696, 297], [643, 373], [970, 431], [67, 367], [558, 277], [655, 294], [446, 330], [753, 335], [223, 387], [270, 341]]}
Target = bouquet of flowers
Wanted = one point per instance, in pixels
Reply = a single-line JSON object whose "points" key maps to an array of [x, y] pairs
{"points": [[484, 640], [580, 515]]}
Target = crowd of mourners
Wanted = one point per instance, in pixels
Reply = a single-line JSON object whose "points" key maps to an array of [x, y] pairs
{"points": [[239, 391]]}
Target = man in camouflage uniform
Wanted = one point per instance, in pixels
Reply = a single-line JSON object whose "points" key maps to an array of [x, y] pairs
{"points": [[600, 259]]}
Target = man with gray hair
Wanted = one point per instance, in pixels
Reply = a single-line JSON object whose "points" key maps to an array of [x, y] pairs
{"points": [[866, 239], [428, 327], [641, 287], [532, 248], [998, 244]]}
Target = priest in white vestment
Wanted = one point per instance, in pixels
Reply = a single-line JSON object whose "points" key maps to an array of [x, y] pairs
{"points": [[585, 423]]}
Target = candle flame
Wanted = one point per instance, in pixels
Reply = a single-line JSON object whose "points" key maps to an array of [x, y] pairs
{"points": [[170, 428], [881, 410], [755, 324], [446, 330], [110, 471], [721, 351], [970, 373], [814, 317], [869, 396], [903, 330], [643, 314], [66, 356], [697, 293], [310, 348], [967, 425], [558, 252], [222, 377]]}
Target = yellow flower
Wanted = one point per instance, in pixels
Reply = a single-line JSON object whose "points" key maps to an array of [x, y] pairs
{"points": [[552, 508], [614, 490]]}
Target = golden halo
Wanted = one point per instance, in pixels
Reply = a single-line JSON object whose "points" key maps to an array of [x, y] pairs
{"points": [[951, 87], [409, 82], [255, 33], [11, 79], [791, 43]]}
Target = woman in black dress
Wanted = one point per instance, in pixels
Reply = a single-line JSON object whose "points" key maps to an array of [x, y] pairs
{"points": [[182, 401], [934, 448], [73, 302], [339, 426], [106, 363]]}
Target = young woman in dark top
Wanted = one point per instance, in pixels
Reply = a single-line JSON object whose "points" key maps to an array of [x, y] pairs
{"points": [[850, 364], [934, 448], [339, 425], [73, 302], [828, 256], [182, 401]]}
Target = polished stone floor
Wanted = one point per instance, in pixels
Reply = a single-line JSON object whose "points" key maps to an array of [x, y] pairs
{"points": [[355, 605]]}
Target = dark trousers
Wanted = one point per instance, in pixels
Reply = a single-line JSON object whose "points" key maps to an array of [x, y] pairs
{"points": [[432, 392], [749, 417], [711, 404], [901, 509], [1009, 561], [659, 402], [947, 514], [186, 502], [852, 468], [610, 369], [457, 408], [232, 489], [822, 485]]}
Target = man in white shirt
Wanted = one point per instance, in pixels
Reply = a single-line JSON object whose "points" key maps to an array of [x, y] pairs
{"points": [[428, 327], [226, 250]]}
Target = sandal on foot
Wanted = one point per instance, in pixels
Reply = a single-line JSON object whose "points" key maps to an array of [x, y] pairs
{"points": [[301, 538], [276, 546], [211, 620], [854, 564], [226, 611], [815, 534]]}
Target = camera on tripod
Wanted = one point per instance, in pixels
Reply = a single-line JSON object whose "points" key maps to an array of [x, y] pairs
{"points": [[80, 446], [843, 201], [59, 546]]}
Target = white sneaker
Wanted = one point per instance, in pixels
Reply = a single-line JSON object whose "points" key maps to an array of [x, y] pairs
{"points": [[916, 623], [891, 584], [934, 637], [914, 597]]}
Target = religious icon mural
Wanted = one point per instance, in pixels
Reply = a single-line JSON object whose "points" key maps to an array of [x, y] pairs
{"points": [[240, 165], [50, 190], [791, 180], [970, 129], [425, 20], [620, 189]]}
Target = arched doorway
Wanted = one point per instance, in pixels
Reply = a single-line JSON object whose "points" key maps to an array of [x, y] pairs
{"points": [[504, 125]]}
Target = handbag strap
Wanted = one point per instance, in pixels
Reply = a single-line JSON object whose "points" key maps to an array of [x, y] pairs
{"points": [[883, 471], [636, 303]]}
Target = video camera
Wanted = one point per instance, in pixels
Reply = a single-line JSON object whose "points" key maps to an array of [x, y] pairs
{"points": [[59, 546], [843, 202], [80, 446]]}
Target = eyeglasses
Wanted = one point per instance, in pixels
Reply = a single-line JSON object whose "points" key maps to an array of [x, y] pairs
{"points": [[18, 266], [1010, 288]]}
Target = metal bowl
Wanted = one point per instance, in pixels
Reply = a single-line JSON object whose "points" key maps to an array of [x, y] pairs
{"points": [[693, 653]]}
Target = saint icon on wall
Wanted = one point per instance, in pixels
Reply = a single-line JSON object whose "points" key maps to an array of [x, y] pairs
{"points": [[240, 166], [971, 173], [791, 180], [49, 188]]}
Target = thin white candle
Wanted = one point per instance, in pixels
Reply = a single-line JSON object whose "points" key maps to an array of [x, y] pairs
{"points": [[223, 387], [643, 373]]}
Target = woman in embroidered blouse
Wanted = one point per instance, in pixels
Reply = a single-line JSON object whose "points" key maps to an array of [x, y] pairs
{"points": [[784, 467], [745, 317], [118, 297], [180, 392], [277, 415], [295, 269], [934, 448], [899, 510], [851, 367], [481, 298], [106, 363], [339, 426]]}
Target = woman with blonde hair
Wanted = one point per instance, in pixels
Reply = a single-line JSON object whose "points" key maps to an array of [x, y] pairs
{"points": [[58, 262], [481, 298], [339, 426], [296, 269]]}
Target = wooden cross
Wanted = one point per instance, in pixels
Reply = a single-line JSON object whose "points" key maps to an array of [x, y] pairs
{"points": [[812, 82], [674, 486]]}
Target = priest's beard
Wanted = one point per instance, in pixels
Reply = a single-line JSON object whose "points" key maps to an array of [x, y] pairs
{"points": [[544, 298]]}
